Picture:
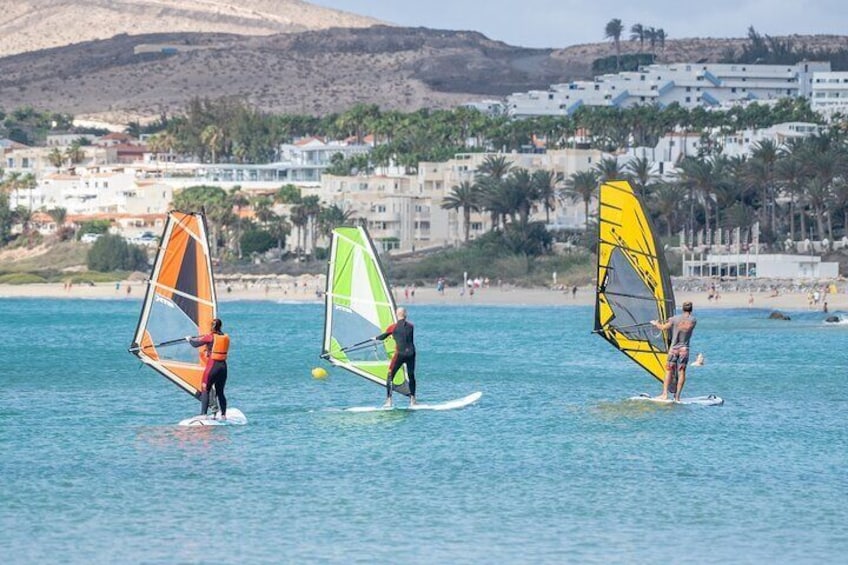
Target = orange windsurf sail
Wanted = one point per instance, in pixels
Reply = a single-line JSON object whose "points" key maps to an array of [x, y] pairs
{"points": [[180, 301]]}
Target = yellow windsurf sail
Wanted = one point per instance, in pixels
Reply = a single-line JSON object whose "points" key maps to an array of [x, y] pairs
{"points": [[180, 301], [634, 286]]}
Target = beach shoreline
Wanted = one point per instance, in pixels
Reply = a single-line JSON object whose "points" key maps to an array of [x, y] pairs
{"points": [[306, 292]]}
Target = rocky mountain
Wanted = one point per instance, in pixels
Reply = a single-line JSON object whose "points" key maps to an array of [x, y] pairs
{"points": [[31, 25]]}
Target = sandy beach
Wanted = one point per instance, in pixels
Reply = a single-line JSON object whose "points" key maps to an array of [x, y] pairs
{"points": [[309, 291]]}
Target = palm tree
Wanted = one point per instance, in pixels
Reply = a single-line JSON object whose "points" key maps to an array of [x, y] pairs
{"points": [[640, 175], [665, 201], [789, 174], [523, 193], [74, 153], [312, 206], [764, 155], [212, 137], [299, 219], [613, 30], [661, 37], [637, 31], [700, 176], [466, 196], [239, 200], [546, 189], [609, 169], [495, 166], [215, 201], [582, 186], [55, 158], [287, 194], [332, 217]]}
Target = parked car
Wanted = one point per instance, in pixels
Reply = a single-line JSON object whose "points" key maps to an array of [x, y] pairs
{"points": [[147, 239], [90, 237]]}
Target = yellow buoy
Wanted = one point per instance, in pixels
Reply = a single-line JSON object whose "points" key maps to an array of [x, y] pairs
{"points": [[319, 373]]}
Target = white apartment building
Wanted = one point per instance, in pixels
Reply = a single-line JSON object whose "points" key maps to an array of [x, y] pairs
{"points": [[689, 84], [830, 93], [405, 211], [392, 207]]}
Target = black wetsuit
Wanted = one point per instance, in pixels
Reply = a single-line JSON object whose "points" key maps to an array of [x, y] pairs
{"points": [[215, 375], [402, 332]]}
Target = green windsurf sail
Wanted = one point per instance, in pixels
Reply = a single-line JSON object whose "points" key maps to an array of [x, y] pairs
{"points": [[358, 306]]}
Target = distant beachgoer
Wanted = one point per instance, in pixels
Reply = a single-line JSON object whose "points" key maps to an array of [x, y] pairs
{"points": [[117, 286], [217, 345], [750, 300], [682, 328], [699, 360], [412, 292], [406, 292], [129, 289], [824, 308], [574, 291]]}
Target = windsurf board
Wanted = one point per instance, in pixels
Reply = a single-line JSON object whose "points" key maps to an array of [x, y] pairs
{"points": [[709, 400], [235, 417], [441, 406]]}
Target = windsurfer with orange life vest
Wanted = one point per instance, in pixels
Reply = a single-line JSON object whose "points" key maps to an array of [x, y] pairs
{"points": [[216, 344]]}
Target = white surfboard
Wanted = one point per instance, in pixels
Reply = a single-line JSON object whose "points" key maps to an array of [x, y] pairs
{"points": [[710, 400], [235, 417], [449, 405]]}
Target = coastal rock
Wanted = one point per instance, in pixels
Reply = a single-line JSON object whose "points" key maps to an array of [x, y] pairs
{"points": [[778, 316], [832, 319]]}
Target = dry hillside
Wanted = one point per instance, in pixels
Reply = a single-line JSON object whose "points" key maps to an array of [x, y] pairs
{"points": [[30, 25], [310, 72]]}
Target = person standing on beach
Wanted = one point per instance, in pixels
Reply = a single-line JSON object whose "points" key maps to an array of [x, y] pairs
{"points": [[403, 333], [682, 328], [217, 345]]}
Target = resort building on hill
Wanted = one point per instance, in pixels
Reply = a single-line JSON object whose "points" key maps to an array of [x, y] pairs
{"points": [[689, 84]]}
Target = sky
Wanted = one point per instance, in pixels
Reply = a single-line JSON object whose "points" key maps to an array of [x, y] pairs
{"points": [[561, 23]]}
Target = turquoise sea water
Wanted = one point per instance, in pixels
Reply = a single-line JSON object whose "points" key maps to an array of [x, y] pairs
{"points": [[551, 466]]}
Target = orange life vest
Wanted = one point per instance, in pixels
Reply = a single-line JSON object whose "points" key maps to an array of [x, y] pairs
{"points": [[220, 347]]}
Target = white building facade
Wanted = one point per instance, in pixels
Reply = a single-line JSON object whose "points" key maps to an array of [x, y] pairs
{"points": [[690, 85]]}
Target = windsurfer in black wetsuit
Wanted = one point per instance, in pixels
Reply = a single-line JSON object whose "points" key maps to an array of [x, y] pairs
{"points": [[217, 345], [402, 332]]}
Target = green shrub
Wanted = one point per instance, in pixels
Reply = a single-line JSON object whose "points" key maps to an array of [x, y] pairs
{"points": [[94, 226], [256, 241], [112, 253], [21, 278]]}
